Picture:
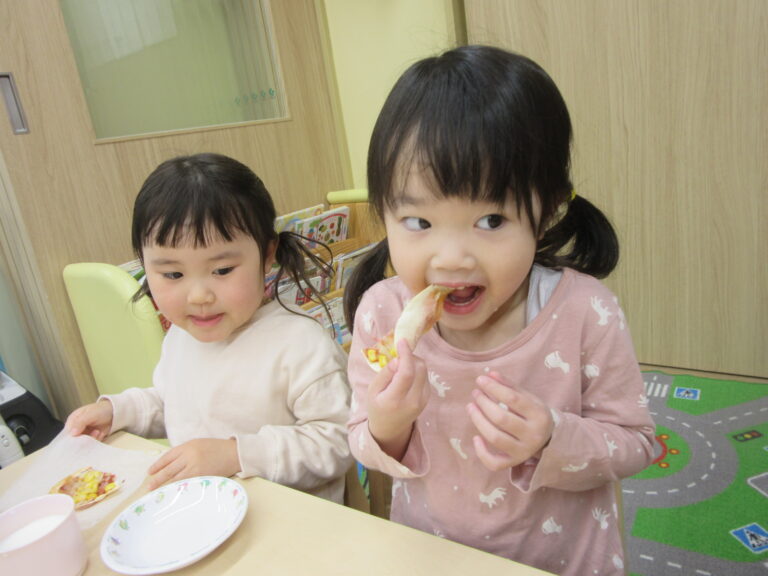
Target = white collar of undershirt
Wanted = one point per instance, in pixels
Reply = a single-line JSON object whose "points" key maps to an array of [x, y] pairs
{"points": [[542, 284]]}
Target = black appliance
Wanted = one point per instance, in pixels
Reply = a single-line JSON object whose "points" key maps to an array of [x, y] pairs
{"points": [[26, 415]]}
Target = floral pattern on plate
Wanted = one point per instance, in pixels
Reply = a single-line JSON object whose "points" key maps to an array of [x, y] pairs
{"points": [[174, 526]]}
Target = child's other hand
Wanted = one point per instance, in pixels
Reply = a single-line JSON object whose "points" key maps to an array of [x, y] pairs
{"points": [[201, 457], [396, 397], [92, 419], [513, 424]]}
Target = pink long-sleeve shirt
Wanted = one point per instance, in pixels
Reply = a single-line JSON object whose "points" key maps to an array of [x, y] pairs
{"points": [[557, 512]]}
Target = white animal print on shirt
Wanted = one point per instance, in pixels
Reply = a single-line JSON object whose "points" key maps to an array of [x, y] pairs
{"points": [[397, 485], [551, 527], [591, 371], [601, 516], [602, 311], [618, 562], [456, 445], [622, 319], [574, 467], [553, 360], [368, 322], [612, 447], [493, 497], [440, 387]]}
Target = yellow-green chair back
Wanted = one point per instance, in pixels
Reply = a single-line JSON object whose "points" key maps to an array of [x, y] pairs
{"points": [[122, 338]]}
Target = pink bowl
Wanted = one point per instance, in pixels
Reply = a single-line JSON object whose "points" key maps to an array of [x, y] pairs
{"points": [[42, 536]]}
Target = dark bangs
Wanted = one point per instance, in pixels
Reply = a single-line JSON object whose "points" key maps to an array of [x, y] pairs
{"points": [[200, 199], [486, 123]]}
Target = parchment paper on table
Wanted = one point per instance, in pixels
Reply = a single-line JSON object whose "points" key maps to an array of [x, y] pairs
{"points": [[66, 454], [416, 319]]}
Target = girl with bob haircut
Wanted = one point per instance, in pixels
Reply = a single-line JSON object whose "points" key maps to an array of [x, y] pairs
{"points": [[509, 423], [244, 385]]}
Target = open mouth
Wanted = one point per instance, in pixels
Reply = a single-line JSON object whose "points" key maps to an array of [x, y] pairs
{"points": [[461, 299], [463, 295]]}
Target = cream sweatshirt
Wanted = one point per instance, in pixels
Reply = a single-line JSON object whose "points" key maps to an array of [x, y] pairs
{"points": [[279, 388]]}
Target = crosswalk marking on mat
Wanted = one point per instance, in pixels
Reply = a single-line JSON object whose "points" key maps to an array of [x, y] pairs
{"points": [[656, 389]]}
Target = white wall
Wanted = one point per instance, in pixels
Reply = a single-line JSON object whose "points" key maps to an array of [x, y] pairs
{"points": [[373, 42]]}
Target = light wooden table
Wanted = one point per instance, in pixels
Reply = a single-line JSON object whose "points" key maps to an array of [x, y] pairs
{"points": [[288, 532]]}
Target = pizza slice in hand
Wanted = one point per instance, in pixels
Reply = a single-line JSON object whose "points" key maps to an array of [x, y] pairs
{"points": [[418, 317], [87, 487]]}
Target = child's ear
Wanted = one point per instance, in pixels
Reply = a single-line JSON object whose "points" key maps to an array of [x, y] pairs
{"points": [[542, 230], [269, 257], [540, 224]]}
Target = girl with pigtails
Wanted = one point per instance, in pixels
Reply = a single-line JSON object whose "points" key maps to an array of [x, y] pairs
{"points": [[509, 422], [245, 384]]}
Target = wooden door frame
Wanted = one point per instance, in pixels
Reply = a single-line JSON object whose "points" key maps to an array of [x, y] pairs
{"points": [[29, 291]]}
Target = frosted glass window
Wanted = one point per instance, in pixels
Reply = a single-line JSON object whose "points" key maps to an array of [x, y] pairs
{"points": [[150, 66]]}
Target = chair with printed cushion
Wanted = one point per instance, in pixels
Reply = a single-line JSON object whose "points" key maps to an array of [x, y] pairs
{"points": [[122, 338]]}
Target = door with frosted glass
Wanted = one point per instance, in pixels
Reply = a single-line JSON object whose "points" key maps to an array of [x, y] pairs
{"points": [[171, 65]]}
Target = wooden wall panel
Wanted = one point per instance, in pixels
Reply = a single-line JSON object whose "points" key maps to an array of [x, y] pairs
{"points": [[75, 196], [669, 102]]}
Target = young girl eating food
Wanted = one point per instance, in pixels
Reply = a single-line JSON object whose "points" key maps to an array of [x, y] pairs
{"points": [[507, 425]]}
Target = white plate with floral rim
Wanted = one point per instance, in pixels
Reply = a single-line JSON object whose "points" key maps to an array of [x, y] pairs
{"points": [[174, 525]]}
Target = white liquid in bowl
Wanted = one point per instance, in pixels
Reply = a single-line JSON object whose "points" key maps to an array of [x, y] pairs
{"points": [[31, 532]]}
